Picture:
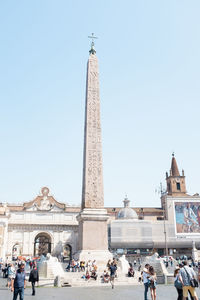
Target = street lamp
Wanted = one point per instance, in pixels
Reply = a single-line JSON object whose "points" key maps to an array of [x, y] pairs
{"points": [[164, 219], [162, 193]]}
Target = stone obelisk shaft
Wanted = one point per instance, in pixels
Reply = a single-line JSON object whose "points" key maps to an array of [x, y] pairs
{"points": [[93, 230], [92, 189]]}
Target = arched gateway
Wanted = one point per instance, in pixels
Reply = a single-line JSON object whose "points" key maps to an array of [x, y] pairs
{"points": [[42, 244]]}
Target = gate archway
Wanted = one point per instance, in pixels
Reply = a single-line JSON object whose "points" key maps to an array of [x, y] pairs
{"points": [[42, 244]]}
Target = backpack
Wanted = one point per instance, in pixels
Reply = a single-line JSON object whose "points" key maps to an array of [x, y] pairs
{"points": [[33, 275]]}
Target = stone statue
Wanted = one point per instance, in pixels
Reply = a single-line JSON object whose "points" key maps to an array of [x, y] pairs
{"points": [[193, 245], [51, 258], [123, 264], [195, 255], [45, 204]]}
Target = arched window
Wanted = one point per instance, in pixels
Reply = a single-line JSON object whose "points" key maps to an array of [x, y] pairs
{"points": [[42, 244], [67, 252]]}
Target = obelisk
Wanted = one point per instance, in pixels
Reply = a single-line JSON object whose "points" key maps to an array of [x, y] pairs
{"points": [[93, 233]]}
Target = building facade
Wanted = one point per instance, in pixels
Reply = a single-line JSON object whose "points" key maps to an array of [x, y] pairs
{"points": [[38, 227], [45, 225], [174, 228]]}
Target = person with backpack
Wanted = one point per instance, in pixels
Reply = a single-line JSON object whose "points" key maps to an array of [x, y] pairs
{"points": [[187, 278], [113, 269], [33, 278]]}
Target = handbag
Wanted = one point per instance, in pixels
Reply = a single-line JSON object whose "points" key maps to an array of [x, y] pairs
{"points": [[193, 281], [152, 283], [178, 284]]}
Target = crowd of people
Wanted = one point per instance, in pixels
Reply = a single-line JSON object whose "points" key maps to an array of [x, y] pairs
{"points": [[90, 268], [186, 280], [186, 276], [81, 266], [16, 276]]}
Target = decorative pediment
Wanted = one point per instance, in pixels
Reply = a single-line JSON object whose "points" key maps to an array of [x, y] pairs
{"points": [[44, 202]]}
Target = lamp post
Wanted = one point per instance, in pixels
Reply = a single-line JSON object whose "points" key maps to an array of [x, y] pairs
{"points": [[164, 217], [165, 232], [162, 192]]}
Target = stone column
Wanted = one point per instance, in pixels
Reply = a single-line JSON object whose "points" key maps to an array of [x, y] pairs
{"points": [[3, 239]]}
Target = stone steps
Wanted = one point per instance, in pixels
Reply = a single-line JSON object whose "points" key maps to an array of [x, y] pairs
{"points": [[74, 279]]}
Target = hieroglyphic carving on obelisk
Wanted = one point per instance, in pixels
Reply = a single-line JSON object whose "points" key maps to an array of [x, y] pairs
{"points": [[93, 217], [92, 190]]}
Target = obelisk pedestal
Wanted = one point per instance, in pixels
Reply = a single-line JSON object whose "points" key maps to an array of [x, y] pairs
{"points": [[93, 233], [93, 236]]}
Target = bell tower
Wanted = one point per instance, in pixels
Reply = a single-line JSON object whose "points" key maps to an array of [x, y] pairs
{"points": [[175, 182]]}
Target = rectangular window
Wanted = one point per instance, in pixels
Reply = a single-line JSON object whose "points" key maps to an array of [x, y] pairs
{"points": [[178, 186]]}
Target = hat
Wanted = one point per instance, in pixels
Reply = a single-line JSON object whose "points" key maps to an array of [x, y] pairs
{"points": [[21, 263]]}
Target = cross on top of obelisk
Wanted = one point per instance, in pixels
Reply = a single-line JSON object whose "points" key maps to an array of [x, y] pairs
{"points": [[92, 50]]}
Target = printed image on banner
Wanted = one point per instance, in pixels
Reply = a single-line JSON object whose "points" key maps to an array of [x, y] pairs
{"points": [[187, 216]]}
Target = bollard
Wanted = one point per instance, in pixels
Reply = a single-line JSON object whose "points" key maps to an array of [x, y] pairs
{"points": [[57, 281]]}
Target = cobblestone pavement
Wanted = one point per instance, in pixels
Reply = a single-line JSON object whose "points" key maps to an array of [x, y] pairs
{"points": [[94, 293]]}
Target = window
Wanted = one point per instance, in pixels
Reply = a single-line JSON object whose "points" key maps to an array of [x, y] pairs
{"points": [[178, 186]]}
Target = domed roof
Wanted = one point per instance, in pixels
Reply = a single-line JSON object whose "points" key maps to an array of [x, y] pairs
{"points": [[127, 212]]}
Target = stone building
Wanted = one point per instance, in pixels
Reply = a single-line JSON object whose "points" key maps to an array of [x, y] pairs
{"points": [[40, 226]]}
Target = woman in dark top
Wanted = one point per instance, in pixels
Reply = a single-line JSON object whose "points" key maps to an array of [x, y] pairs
{"points": [[33, 278]]}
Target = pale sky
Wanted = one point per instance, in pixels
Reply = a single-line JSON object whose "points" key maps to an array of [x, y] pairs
{"points": [[149, 59]]}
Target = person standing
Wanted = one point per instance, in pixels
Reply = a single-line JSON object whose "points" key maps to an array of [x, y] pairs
{"points": [[18, 284], [145, 276], [11, 274], [33, 278], [171, 262], [152, 280], [113, 269], [178, 285], [186, 274]]}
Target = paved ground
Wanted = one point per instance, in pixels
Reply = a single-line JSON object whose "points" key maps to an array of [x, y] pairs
{"points": [[100, 293], [164, 292]]}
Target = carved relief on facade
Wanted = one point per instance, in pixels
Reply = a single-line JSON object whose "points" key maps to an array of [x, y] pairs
{"points": [[44, 202]]}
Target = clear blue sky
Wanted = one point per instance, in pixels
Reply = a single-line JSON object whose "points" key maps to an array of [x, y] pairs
{"points": [[149, 57]]}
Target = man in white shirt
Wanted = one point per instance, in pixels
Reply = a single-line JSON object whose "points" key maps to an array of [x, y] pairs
{"points": [[145, 276]]}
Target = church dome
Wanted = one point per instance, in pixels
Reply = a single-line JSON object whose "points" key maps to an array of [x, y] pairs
{"points": [[126, 212]]}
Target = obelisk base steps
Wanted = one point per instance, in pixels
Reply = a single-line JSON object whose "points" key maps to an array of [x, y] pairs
{"points": [[101, 257]]}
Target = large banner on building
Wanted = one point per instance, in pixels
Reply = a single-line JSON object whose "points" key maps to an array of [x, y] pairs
{"points": [[187, 217]]}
